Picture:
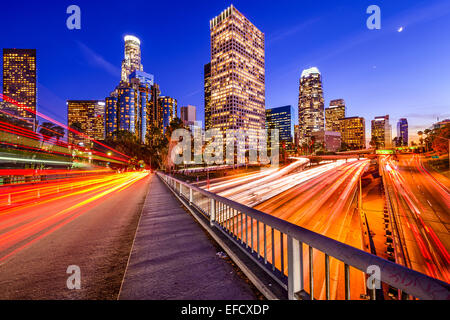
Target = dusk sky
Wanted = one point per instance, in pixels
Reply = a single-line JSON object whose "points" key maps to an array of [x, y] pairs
{"points": [[377, 72]]}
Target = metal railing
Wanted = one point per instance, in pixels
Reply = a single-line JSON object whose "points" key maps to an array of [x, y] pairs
{"points": [[277, 246]]}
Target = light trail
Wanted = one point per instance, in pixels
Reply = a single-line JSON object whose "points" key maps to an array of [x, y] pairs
{"points": [[8, 99], [321, 202], [424, 227], [28, 222]]}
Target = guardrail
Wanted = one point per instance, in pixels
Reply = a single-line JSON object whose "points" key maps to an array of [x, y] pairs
{"points": [[277, 246]]}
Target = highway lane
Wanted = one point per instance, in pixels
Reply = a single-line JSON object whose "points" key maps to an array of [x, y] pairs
{"points": [[422, 210], [88, 223]]}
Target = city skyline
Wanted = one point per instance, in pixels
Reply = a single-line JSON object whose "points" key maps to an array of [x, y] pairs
{"points": [[274, 157], [99, 63]]}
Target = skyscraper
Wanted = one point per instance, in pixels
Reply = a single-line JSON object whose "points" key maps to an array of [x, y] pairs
{"points": [[381, 132], [207, 93], [280, 118], [155, 112], [353, 132], [19, 80], [132, 57], [237, 73], [133, 106], [86, 116], [169, 110], [402, 132], [310, 103], [333, 114]]}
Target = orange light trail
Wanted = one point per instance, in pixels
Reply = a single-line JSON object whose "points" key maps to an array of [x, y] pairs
{"points": [[28, 222]]}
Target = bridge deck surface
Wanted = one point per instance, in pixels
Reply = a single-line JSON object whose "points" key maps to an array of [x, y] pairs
{"points": [[173, 258]]}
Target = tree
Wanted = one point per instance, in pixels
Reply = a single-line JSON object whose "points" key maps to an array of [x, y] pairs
{"points": [[396, 143], [49, 130], [440, 142]]}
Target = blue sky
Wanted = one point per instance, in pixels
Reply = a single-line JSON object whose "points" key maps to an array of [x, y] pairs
{"points": [[377, 72]]}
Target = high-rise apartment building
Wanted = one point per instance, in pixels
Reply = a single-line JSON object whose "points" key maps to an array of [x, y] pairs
{"points": [[381, 132], [333, 114], [19, 80], [169, 110], [87, 117], [237, 73], [280, 118], [132, 57], [353, 132], [402, 132], [310, 103], [207, 93]]}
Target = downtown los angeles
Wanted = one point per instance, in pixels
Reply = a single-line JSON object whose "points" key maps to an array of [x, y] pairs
{"points": [[208, 150]]}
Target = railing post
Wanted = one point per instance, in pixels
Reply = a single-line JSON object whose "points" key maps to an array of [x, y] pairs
{"points": [[212, 214], [191, 196], [294, 276], [181, 190]]}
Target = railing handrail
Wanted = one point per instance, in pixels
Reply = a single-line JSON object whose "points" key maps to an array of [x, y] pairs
{"points": [[413, 282]]}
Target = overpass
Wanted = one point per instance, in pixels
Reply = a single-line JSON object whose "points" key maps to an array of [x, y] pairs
{"points": [[285, 251]]}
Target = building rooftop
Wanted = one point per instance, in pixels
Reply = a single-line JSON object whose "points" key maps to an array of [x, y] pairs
{"points": [[308, 72]]}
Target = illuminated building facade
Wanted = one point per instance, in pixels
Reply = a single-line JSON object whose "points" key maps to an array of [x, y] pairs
{"points": [[207, 93], [168, 106], [127, 108], [333, 114], [310, 103], [19, 80], [402, 132], [130, 105], [155, 112], [237, 73], [280, 118], [381, 132], [132, 57], [353, 132], [86, 116]]}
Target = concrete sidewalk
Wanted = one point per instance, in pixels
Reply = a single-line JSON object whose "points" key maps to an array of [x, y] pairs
{"points": [[173, 258]]}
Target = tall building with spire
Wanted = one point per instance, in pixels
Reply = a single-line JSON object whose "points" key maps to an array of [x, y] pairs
{"points": [[133, 105], [310, 103], [237, 73], [132, 57]]}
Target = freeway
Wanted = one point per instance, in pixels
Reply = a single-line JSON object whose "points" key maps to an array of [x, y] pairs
{"points": [[320, 199], [88, 222], [421, 209]]}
